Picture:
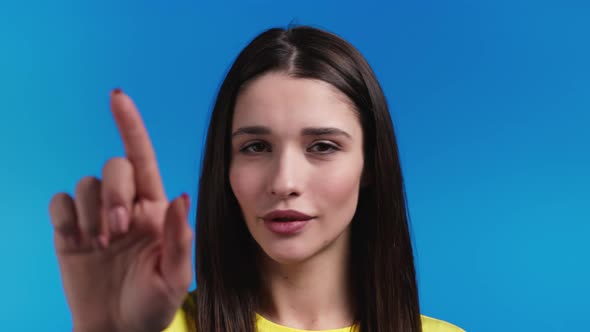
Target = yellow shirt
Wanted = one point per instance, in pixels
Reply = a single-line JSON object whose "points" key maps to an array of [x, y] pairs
{"points": [[263, 325]]}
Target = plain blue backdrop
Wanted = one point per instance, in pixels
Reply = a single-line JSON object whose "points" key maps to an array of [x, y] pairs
{"points": [[491, 103]]}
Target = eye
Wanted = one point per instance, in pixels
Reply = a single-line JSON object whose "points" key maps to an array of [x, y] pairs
{"points": [[324, 148], [255, 147]]}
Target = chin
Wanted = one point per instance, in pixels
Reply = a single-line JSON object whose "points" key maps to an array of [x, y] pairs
{"points": [[288, 254]]}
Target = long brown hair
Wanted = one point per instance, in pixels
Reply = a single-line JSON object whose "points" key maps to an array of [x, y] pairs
{"points": [[383, 270]]}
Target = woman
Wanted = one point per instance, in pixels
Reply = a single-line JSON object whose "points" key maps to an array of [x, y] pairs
{"points": [[301, 220]]}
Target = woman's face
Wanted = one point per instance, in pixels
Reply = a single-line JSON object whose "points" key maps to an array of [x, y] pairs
{"points": [[296, 145]]}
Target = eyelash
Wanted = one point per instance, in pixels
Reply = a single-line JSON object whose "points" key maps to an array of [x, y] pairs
{"points": [[332, 148]]}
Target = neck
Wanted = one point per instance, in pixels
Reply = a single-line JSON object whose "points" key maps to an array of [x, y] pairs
{"points": [[311, 295]]}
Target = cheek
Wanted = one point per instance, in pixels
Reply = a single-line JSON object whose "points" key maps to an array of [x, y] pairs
{"points": [[338, 188], [245, 182]]}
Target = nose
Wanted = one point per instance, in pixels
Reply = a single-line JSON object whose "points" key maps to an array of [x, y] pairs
{"points": [[285, 178]]}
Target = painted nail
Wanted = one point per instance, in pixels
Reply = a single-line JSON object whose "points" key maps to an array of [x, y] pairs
{"points": [[117, 91]]}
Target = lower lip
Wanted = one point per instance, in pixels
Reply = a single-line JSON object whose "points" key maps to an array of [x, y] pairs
{"points": [[285, 227]]}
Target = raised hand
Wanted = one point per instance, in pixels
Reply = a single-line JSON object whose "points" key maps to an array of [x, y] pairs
{"points": [[124, 250]]}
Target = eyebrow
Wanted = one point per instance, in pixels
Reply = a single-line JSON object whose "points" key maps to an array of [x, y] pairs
{"points": [[309, 131]]}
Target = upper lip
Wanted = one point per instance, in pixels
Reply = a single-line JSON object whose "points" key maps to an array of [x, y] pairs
{"points": [[286, 214]]}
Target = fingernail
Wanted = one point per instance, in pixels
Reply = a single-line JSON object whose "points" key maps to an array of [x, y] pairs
{"points": [[118, 220], [117, 91], [187, 200]]}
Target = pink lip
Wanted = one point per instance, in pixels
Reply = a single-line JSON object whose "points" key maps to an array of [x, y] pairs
{"points": [[288, 214], [296, 222], [285, 227]]}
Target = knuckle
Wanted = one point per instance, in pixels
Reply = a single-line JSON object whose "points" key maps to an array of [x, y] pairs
{"points": [[113, 196], [92, 229], [90, 225], [118, 187], [87, 203], [115, 163], [57, 200], [62, 213], [86, 184], [65, 224]]}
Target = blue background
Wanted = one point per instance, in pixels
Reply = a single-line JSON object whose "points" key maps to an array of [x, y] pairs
{"points": [[491, 102]]}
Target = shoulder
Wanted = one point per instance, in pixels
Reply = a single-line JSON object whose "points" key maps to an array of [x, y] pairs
{"points": [[430, 324]]}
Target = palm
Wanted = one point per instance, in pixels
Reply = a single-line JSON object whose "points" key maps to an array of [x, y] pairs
{"points": [[138, 280]]}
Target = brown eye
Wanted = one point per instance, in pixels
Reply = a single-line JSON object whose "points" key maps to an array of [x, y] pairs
{"points": [[324, 148], [256, 147]]}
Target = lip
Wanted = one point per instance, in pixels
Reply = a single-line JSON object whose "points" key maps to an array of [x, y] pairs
{"points": [[284, 228], [296, 223], [293, 215]]}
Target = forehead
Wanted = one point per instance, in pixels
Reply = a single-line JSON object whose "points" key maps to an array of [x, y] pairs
{"points": [[277, 98]]}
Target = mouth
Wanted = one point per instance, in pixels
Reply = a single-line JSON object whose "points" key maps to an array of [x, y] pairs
{"points": [[283, 219], [286, 222], [286, 216]]}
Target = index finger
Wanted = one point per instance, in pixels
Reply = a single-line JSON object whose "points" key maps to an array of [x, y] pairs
{"points": [[138, 147]]}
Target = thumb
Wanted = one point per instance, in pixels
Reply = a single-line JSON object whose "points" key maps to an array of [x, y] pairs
{"points": [[176, 252]]}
